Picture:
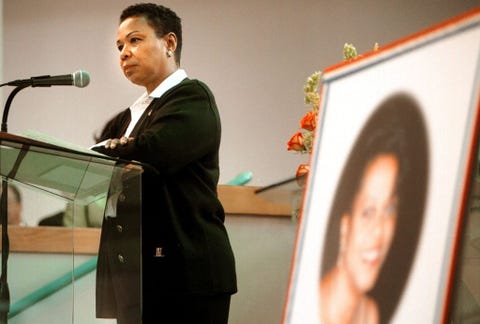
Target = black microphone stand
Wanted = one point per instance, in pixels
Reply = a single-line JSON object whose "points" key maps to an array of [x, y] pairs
{"points": [[4, 290]]}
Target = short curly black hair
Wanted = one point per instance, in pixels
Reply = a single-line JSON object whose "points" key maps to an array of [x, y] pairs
{"points": [[162, 19]]}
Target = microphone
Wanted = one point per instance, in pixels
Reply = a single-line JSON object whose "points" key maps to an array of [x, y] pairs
{"points": [[79, 79]]}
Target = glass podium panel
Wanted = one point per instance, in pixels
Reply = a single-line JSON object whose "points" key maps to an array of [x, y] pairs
{"points": [[50, 270]]}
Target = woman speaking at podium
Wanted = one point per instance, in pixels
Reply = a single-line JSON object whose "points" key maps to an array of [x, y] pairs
{"points": [[188, 267]]}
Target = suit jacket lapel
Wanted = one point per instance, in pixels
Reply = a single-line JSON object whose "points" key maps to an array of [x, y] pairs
{"points": [[146, 114], [154, 105]]}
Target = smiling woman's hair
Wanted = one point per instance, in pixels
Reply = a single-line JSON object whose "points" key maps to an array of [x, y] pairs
{"points": [[395, 128], [162, 19]]}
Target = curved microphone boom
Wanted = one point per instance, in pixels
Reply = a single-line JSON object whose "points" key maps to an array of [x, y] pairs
{"points": [[79, 79]]}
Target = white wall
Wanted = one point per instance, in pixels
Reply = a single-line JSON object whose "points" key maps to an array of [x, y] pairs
{"points": [[255, 55]]}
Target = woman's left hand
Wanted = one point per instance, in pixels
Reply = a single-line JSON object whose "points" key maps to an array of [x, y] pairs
{"points": [[114, 142]]}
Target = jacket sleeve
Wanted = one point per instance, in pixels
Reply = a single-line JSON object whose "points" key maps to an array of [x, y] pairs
{"points": [[182, 127], [115, 127]]}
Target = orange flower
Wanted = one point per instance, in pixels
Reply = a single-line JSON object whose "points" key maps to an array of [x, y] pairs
{"points": [[309, 121], [302, 173], [296, 143], [302, 169]]}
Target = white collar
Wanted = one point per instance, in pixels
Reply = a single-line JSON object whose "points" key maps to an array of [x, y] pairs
{"points": [[171, 81]]}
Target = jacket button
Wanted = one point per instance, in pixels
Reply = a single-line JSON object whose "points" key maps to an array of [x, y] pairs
{"points": [[121, 258], [119, 228], [122, 197]]}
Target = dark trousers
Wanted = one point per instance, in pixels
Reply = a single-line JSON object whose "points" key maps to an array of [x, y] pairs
{"points": [[184, 310]]}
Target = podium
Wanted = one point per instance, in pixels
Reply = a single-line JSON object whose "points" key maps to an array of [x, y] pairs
{"points": [[80, 178]]}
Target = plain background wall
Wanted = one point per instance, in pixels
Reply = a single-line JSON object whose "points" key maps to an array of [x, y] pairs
{"points": [[255, 56]]}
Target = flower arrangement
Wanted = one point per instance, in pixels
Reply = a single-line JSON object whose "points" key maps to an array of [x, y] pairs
{"points": [[302, 141]]}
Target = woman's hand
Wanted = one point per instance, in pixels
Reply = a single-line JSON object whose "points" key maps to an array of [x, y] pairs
{"points": [[114, 142]]}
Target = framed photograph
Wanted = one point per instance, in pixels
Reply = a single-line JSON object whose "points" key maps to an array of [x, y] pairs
{"points": [[390, 170]]}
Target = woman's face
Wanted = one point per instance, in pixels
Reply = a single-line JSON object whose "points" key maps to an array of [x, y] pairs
{"points": [[143, 56], [368, 232]]}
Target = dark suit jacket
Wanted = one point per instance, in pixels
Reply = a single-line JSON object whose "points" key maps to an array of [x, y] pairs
{"points": [[185, 246]]}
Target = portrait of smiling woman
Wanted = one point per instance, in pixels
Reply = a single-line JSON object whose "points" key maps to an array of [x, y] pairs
{"points": [[376, 216]]}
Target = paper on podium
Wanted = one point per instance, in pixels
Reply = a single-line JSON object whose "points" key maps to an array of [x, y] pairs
{"points": [[38, 136], [57, 167]]}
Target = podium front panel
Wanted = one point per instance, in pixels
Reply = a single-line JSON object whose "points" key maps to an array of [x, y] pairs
{"points": [[55, 281]]}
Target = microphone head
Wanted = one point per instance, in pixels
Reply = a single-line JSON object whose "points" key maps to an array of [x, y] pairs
{"points": [[81, 79]]}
